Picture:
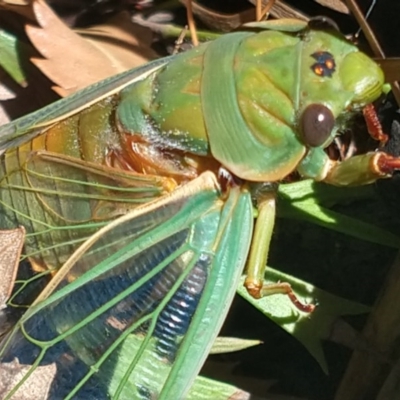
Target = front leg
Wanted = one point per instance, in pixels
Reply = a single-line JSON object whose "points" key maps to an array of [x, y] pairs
{"points": [[256, 264], [362, 169], [355, 171]]}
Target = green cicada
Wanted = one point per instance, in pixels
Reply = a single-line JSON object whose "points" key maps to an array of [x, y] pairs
{"points": [[138, 196]]}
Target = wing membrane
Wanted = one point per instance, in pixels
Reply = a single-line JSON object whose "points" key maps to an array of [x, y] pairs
{"points": [[62, 200], [134, 311]]}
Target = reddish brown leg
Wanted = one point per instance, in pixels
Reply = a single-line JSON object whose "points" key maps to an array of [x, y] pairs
{"points": [[285, 288], [388, 164], [373, 124]]}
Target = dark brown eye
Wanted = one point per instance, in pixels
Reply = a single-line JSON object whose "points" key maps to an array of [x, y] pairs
{"points": [[316, 124]]}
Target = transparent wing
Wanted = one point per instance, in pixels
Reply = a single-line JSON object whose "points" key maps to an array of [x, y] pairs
{"points": [[134, 311], [61, 201]]}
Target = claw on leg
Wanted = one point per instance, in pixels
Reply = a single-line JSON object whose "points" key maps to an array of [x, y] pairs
{"points": [[278, 288], [388, 164]]}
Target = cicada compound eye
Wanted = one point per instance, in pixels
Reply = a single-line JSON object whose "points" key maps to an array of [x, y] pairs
{"points": [[316, 124]]}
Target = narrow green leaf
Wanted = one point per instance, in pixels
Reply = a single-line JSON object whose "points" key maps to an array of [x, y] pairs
{"points": [[312, 212], [325, 194], [205, 389], [231, 344], [10, 49], [309, 329], [302, 200]]}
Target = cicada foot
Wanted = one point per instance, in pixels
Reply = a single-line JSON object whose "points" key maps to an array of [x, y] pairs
{"points": [[387, 164], [259, 291]]}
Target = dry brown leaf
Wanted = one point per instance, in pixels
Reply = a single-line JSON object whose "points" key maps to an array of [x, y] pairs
{"points": [[22, 8], [391, 67], [281, 9], [336, 5], [6, 93], [218, 20], [11, 242], [17, 2], [70, 61], [118, 40], [37, 386]]}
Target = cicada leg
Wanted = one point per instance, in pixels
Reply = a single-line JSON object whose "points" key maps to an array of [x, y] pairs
{"points": [[373, 124], [256, 264], [362, 169], [366, 168]]}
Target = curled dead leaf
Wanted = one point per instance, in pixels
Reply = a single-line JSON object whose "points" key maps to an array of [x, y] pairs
{"points": [[20, 7], [124, 44], [281, 9], [221, 21], [73, 62], [11, 242], [37, 386], [337, 5], [17, 2]]}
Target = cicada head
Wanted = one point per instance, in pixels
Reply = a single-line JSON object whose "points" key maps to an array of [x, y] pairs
{"points": [[335, 79]]}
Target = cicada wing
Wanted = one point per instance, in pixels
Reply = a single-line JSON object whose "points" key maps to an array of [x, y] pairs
{"points": [[63, 200], [58, 190], [134, 311], [26, 128]]}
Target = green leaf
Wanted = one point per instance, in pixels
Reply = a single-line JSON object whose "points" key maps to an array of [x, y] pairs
{"points": [[10, 49], [230, 344], [205, 389], [301, 201], [309, 329]]}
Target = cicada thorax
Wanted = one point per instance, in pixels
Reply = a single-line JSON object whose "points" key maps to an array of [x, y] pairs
{"points": [[237, 100], [161, 122], [261, 105], [215, 106]]}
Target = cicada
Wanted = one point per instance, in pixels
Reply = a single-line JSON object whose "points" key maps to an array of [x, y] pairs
{"points": [[139, 196]]}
